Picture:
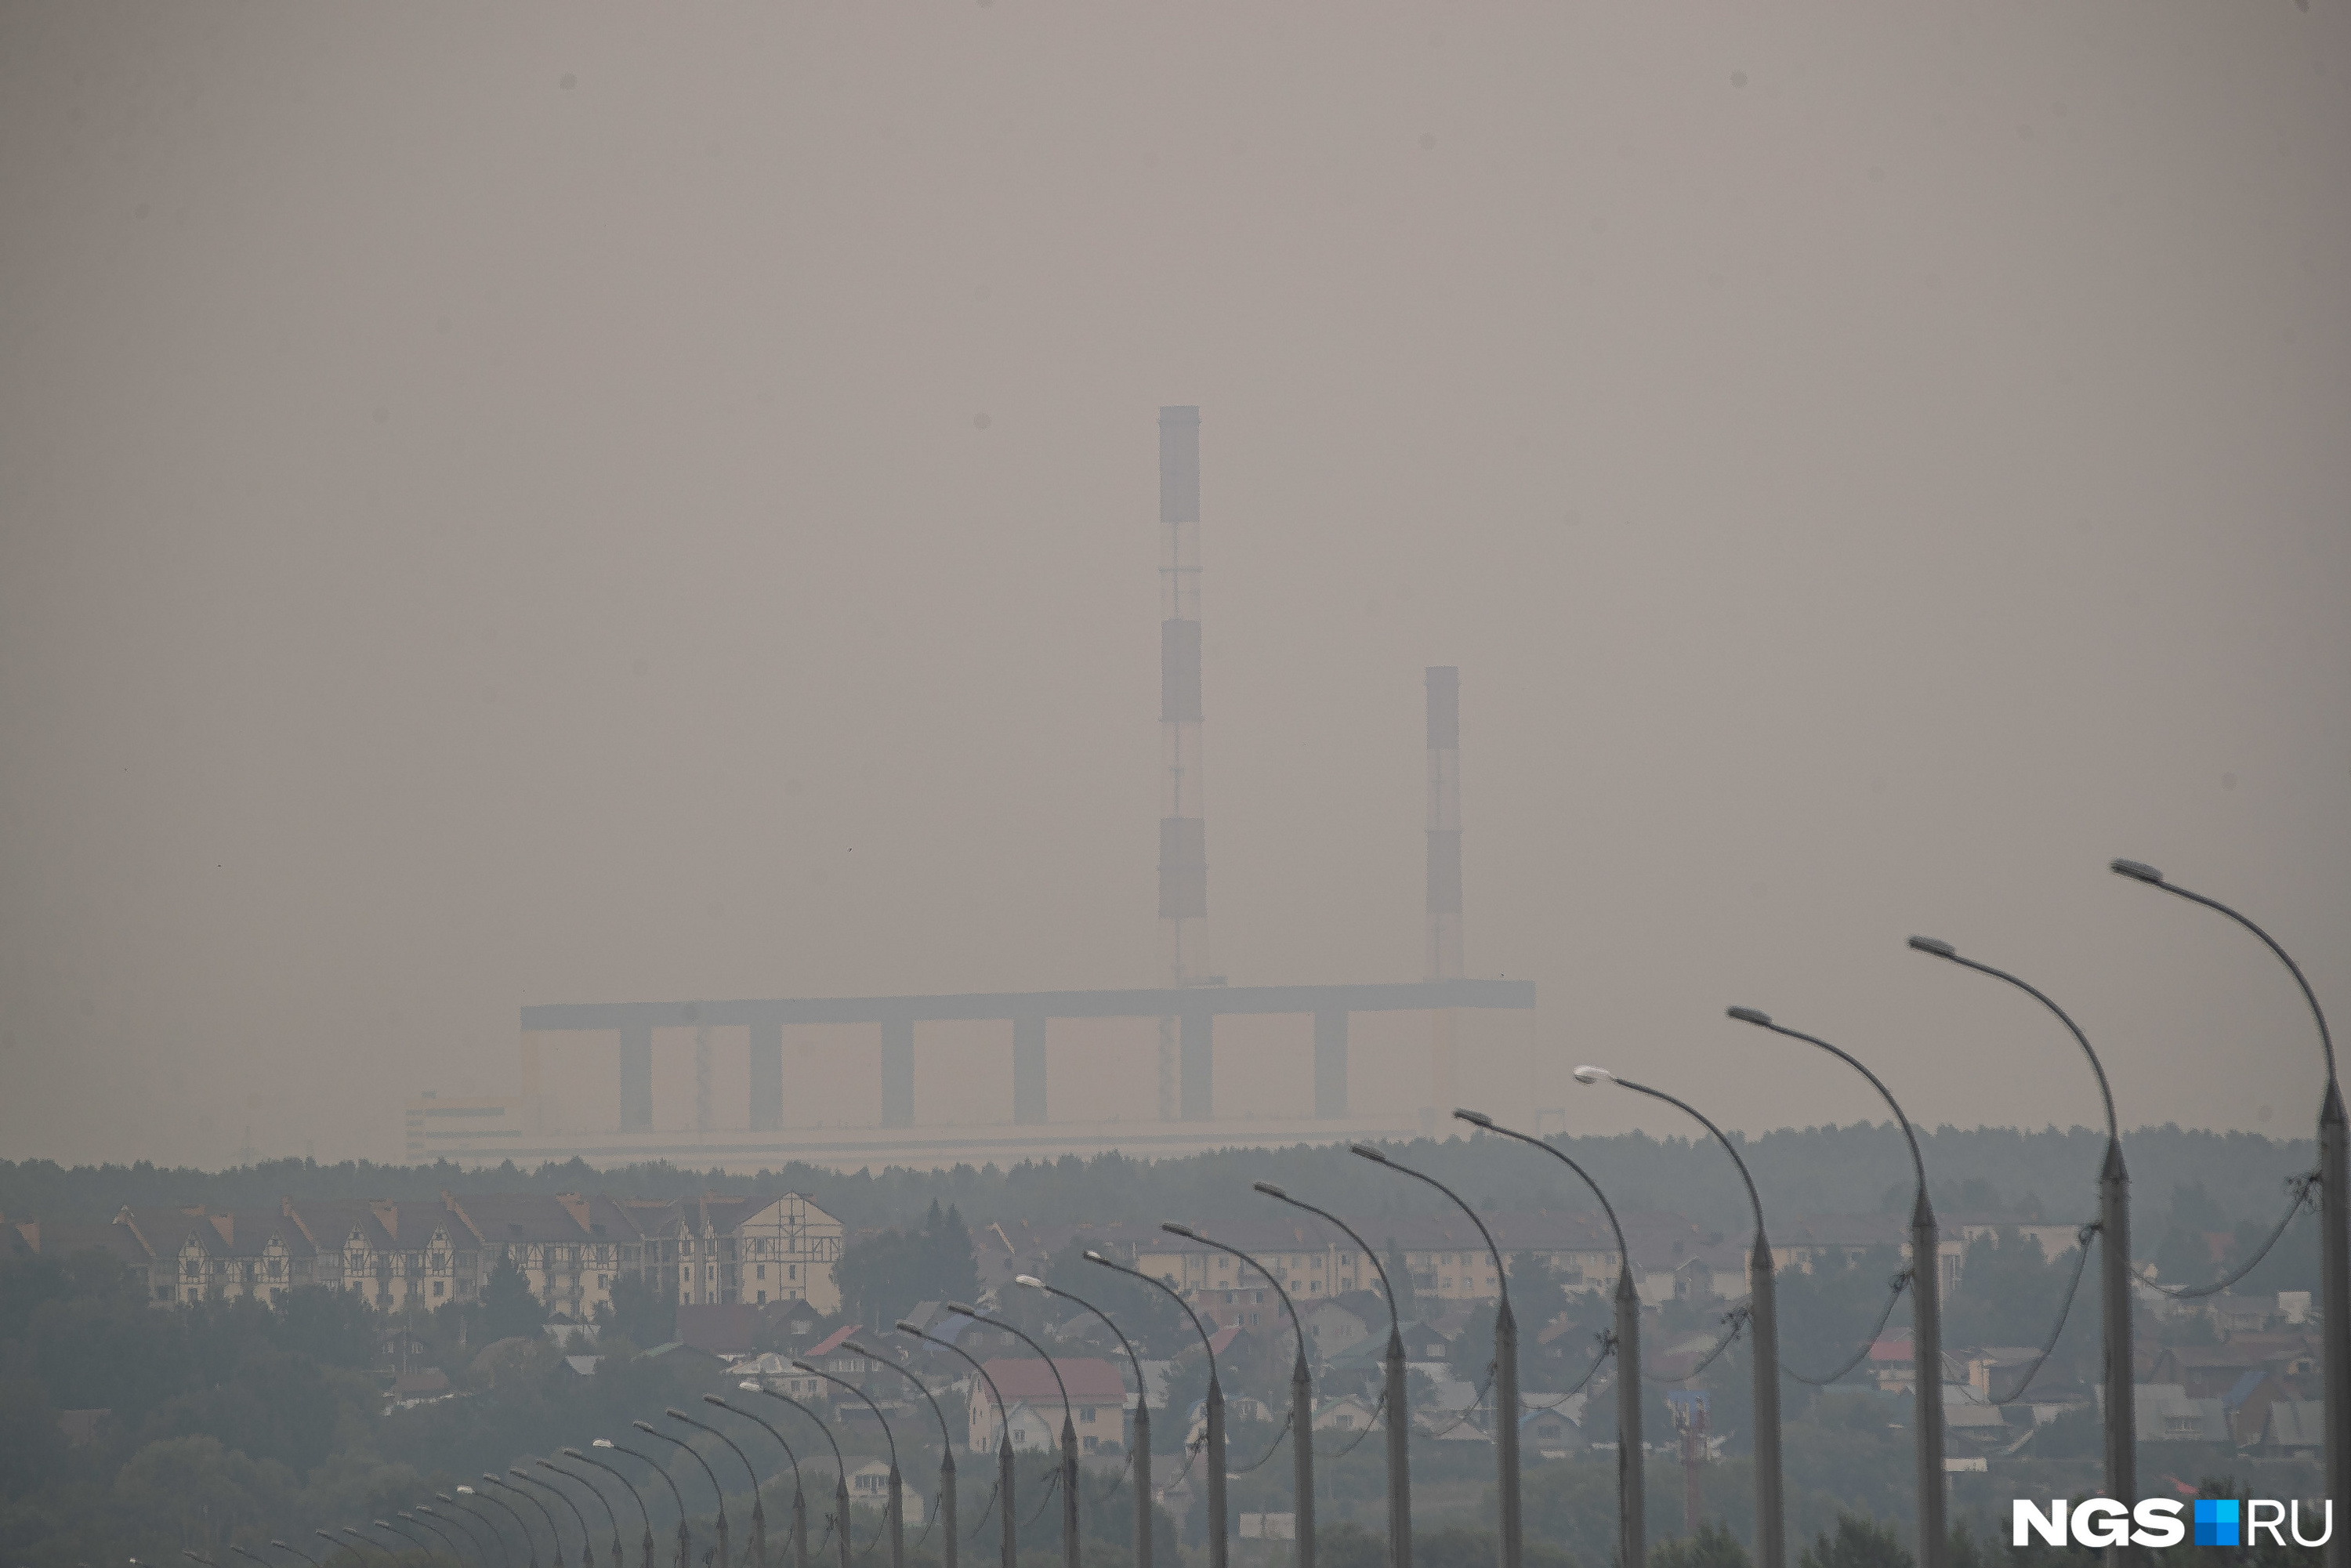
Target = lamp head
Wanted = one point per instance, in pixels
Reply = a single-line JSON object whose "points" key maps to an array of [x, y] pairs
{"points": [[749, 1386], [1030, 1282], [467, 1492], [1186, 1231], [903, 1326], [1368, 1152], [1095, 1257], [1475, 1118], [1935, 945], [443, 1496], [675, 1415], [853, 1348], [1595, 1075], [573, 1454], [1752, 1014], [802, 1366], [1270, 1190], [645, 1426], [2138, 871], [519, 1470], [380, 1525], [714, 1399], [600, 1443], [961, 1311]]}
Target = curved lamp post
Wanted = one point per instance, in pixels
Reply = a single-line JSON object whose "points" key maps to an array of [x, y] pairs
{"points": [[389, 1528], [840, 1466], [1069, 1432], [799, 1499], [333, 1546], [683, 1540], [1632, 1500], [1506, 1366], [1141, 1439], [587, 1541], [256, 1557], [1212, 1409], [1301, 1396], [448, 1542], [635, 1496], [601, 1501], [489, 1526], [758, 1514], [305, 1556], [2114, 1261], [895, 1510], [504, 1485], [947, 1507], [1399, 1422], [1926, 1305], [520, 1523], [650, 1430], [457, 1519], [2335, 1204], [1009, 1529], [1763, 1315], [356, 1537]]}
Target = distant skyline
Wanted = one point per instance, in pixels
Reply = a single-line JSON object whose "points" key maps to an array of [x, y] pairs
{"points": [[573, 503]]}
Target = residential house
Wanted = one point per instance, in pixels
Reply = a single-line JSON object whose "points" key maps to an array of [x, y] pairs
{"points": [[1097, 1403]]}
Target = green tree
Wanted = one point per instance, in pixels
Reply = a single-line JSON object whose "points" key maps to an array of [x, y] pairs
{"points": [[1713, 1546], [1858, 1541], [508, 1306], [639, 1311]]}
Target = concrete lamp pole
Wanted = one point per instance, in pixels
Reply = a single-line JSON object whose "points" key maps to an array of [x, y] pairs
{"points": [[947, 1511], [306, 1557], [895, 1508], [683, 1540], [1397, 1398], [1142, 1438], [597, 1492], [2335, 1222], [798, 1548], [1070, 1539], [553, 1534], [1927, 1312], [1764, 1316], [2114, 1263], [520, 1525], [1632, 1500], [840, 1471], [1512, 1546], [1009, 1527], [1301, 1399], [758, 1514], [489, 1526], [643, 1514], [1212, 1410], [448, 1542], [462, 1528], [683, 1561], [587, 1541]]}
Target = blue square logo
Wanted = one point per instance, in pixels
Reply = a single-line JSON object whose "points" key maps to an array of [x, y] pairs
{"points": [[2216, 1522]]}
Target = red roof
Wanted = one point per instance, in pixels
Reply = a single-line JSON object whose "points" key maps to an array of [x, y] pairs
{"points": [[833, 1341], [1891, 1347], [1032, 1381]]}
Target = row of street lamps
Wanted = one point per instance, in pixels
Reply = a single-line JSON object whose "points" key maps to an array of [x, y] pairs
{"points": [[1760, 1322]]}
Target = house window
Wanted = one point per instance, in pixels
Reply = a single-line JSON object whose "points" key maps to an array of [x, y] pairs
{"points": [[436, 1287], [603, 1282], [763, 1274], [763, 1297]]}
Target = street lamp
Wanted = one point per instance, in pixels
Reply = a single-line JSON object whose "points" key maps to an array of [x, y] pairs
{"points": [[2335, 1204], [552, 1530], [800, 1498], [1926, 1310], [650, 1430], [1008, 1529], [1398, 1401], [758, 1515], [489, 1526], [1069, 1432], [635, 1496], [1763, 1314], [362, 1540], [683, 1540], [305, 1556], [447, 1539], [1212, 1407], [947, 1508], [458, 1521], [894, 1512], [840, 1466], [1141, 1439], [1301, 1396], [500, 1503], [1506, 1365], [389, 1528], [2114, 1263], [256, 1557], [587, 1541], [1631, 1520]]}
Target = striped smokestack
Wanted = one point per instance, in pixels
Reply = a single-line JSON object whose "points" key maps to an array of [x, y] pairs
{"points": [[1183, 828]]}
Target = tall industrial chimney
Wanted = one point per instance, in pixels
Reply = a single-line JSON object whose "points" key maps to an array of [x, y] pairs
{"points": [[1183, 829], [1444, 962]]}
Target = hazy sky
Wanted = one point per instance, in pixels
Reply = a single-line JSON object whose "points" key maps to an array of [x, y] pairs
{"points": [[517, 504]]}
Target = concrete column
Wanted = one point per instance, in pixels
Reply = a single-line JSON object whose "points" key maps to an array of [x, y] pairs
{"points": [[1029, 1068], [1196, 1069], [766, 1077], [1331, 1063], [636, 1077], [898, 1072]]}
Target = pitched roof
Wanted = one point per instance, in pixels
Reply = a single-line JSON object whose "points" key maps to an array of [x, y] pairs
{"points": [[833, 1341], [1032, 1381]]}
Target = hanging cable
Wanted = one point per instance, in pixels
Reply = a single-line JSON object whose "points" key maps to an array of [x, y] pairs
{"points": [[1737, 1320], [1053, 1485], [2300, 1190], [1270, 1447], [1369, 1427], [1897, 1284], [986, 1509], [2081, 1257]]}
